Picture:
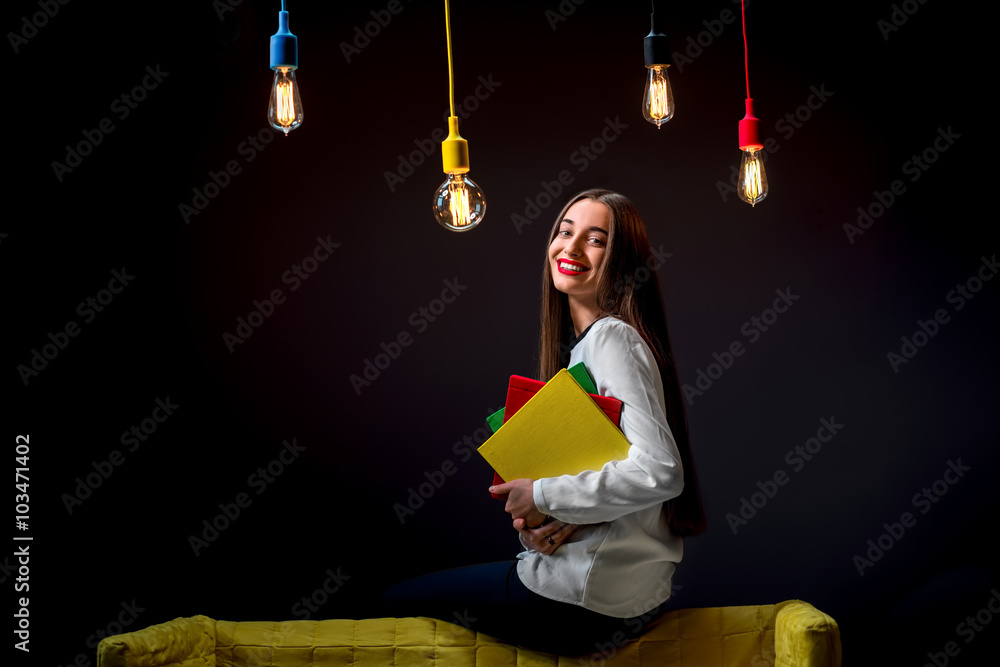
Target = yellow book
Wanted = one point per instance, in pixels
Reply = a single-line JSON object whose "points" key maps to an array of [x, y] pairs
{"points": [[559, 431]]}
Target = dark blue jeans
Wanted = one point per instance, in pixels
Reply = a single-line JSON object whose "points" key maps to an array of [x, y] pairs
{"points": [[491, 599]]}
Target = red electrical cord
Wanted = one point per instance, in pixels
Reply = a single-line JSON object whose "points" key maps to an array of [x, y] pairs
{"points": [[746, 65]]}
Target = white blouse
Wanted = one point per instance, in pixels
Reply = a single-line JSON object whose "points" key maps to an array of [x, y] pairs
{"points": [[621, 562]]}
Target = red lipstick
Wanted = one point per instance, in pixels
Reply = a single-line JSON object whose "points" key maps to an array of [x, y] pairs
{"points": [[579, 268]]}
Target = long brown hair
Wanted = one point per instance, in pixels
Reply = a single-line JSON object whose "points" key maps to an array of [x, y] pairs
{"points": [[622, 291]]}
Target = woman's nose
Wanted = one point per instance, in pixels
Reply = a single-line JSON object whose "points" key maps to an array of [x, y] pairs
{"points": [[574, 245]]}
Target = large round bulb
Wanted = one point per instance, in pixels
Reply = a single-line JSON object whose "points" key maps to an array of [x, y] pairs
{"points": [[459, 204], [285, 109], [752, 186], [657, 98]]}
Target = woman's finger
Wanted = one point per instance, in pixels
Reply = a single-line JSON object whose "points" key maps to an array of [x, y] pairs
{"points": [[561, 534], [546, 539], [555, 538], [538, 539]]}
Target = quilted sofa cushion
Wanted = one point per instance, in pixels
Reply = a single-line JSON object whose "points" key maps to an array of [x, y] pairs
{"points": [[806, 637], [182, 642], [683, 638]]}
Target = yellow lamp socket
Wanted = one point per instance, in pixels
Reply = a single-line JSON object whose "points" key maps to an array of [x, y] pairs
{"points": [[454, 150]]}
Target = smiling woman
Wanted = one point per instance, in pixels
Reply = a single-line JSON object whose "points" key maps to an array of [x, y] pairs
{"points": [[576, 253], [601, 547]]}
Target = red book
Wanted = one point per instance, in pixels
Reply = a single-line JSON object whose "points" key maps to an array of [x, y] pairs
{"points": [[521, 389]]}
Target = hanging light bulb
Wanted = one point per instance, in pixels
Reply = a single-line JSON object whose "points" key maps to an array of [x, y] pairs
{"points": [[752, 183], [284, 111], [459, 204], [657, 98]]}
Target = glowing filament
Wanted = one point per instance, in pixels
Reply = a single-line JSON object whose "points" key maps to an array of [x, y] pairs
{"points": [[751, 182], [459, 205], [658, 99], [285, 103]]}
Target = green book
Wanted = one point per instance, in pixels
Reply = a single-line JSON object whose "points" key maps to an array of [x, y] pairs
{"points": [[579, 373]]}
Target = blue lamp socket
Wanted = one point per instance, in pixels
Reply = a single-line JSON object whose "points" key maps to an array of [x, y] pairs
{"points": [[284, 45]]}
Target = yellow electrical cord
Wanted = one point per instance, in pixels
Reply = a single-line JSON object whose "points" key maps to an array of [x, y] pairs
{"points": [[454, 149], [451, 73]]}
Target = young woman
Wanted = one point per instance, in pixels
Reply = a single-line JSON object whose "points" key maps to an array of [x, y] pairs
{"points": [[601, 546]]}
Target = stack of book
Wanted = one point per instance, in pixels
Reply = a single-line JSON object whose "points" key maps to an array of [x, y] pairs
{"points": [[559, 427]]}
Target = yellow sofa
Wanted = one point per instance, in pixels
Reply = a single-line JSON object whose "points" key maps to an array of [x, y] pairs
{"points": [[782, 635]]}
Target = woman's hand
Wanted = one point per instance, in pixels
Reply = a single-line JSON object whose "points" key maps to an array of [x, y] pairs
{"points": [[520, 500], [545, 539]]}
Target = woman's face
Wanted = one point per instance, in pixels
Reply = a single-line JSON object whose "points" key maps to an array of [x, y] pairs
{"points": [[578, 249]]}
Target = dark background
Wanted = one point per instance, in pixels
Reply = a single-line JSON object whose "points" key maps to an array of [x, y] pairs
{"points": [[122, 559]]}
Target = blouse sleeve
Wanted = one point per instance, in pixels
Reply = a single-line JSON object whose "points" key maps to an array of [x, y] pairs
{"points": [[624, 368]]}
